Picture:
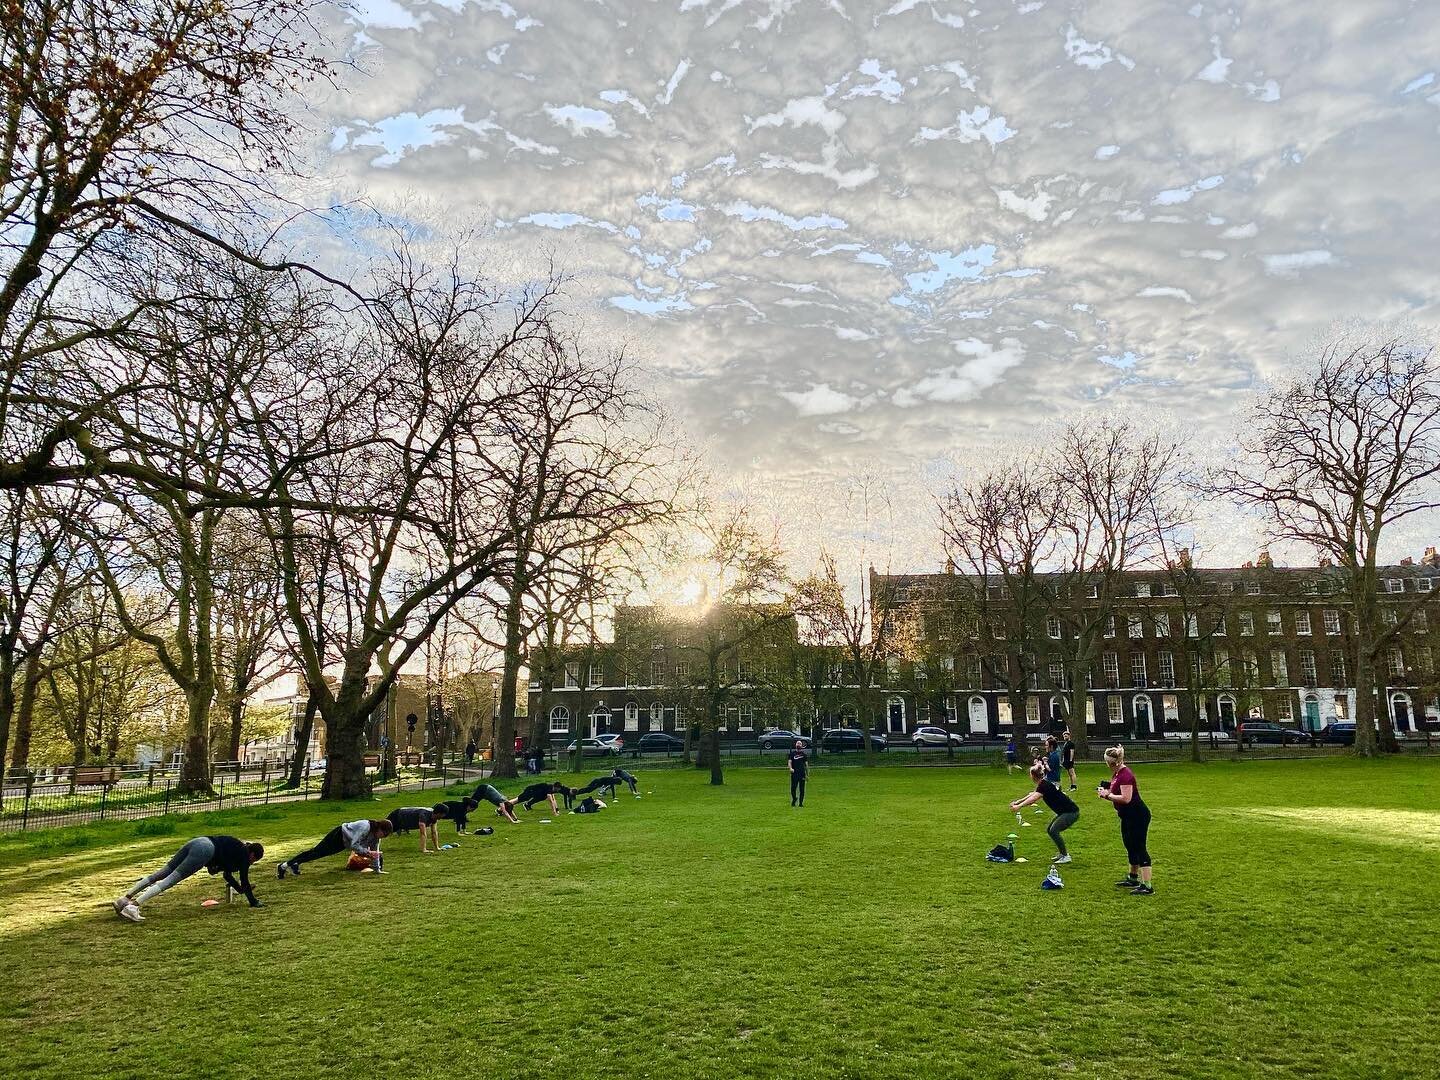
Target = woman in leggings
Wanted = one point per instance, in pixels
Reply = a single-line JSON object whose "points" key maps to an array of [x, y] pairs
{"points": [[1064, 808], [1124, 794], [217, 854], [503, 806], [361, 837]]}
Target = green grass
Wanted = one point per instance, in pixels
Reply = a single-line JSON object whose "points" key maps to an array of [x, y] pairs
{"points": [[707, 932]]}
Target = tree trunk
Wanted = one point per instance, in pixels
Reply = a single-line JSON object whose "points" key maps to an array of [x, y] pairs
{"points": [[237, 713], [7, 702], [504, 764], [1017, 722], [302, 742], [1365, 740], [25, 715], [717, 772], [195, 773], [1079, 698], [345, 776]]}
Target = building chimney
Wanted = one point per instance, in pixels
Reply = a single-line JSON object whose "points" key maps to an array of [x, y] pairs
{"points": [[1247, 565], [1264, 561], [1185, 558], [1431, 559], [1407, 561], [949, 566], [1325, 562]]}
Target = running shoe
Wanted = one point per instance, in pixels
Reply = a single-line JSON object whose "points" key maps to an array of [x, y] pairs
{"points": [[1142, 890], [1060, 860], [280, 871], [120, 903], [132, 913], [1127, 883]]}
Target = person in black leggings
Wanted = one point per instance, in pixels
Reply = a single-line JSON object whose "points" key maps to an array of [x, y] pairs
{"points": [[361, 837], [1064, 808], [600, 783], [799, 765], [424, 818], [630, 781], [540, 793], [458, 811], [1123, 793]]}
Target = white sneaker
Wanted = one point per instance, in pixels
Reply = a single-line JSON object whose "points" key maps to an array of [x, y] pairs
{"points": [[132, 913], [1060, 860], [120, 903]]}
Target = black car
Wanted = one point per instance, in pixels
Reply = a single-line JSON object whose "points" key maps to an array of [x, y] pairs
{"points": [[1338, 734], [656, 742], [850, 739], [783, 740], [1255, 731]]}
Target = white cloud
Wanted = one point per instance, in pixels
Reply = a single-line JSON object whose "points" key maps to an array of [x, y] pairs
{"points": [[670, 87], [982, 368], [1290, 264], [1105, 153], [820, 400], [1035, 207], [581, 120], [800, 112], [1175, 196], [1218, 69], [1165, 292], [748, 212], [971, 126], [1092, 54], [1241, 232]]}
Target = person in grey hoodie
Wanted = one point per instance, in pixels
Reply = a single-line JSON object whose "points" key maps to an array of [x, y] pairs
{"points": [[361, 837]]}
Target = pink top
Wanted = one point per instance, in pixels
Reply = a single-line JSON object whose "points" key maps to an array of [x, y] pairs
{"points": [[1124, 778]]}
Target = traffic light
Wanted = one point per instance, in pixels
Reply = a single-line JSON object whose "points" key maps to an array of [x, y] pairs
{"points": [[410, 722]]}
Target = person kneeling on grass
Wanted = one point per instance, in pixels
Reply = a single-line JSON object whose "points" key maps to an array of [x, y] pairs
{"points": [[362, 837], [1124, 794], [503, 806], [458, 811], [217, 854], [422, 818], [1064, 808]]}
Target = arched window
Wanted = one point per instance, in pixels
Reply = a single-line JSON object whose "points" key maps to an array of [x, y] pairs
{"points": [[849, 716], [657, 716], [559, 720], [632, 716]]}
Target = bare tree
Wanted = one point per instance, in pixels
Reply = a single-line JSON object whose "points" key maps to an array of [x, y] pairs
{"points": [[1336, 457]]}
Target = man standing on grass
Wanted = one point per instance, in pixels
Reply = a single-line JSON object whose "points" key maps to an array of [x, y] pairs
{"points": [[1067, 757], [799, 766]]}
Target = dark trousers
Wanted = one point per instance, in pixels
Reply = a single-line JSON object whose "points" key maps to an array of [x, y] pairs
{"points": [[1058, 824], [332, 843], [797, 785], [1134, 828]]}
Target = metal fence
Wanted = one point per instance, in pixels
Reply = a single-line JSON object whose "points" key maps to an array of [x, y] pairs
{"points": [[68, 797]]}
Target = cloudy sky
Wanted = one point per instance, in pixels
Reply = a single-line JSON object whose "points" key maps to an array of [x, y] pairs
{"points": [[884, 239]]}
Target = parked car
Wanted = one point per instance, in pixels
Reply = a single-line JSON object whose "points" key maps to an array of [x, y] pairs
{"points": [[850, 739], [655, 742], [1218, 735], [1257, 731], [608, 745], [935, 736], [1340, 733], [783, 740]]}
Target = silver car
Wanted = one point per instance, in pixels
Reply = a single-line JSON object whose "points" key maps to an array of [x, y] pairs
{"points": [[935, 736]]}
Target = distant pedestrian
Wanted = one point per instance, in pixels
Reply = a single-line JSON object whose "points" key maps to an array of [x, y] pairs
{"points": [[361, 837], [799, 764], [217, 854], [1010, 754], [470, 752], [1052, 760], [1067, 757], [1064, 808], [1123, 792]]}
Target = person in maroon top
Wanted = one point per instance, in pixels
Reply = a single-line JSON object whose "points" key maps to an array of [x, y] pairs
{"points": [[1123, 793]]}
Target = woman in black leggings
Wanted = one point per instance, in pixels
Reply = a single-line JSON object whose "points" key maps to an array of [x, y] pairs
{"points": [[1124, 794], [1061, 805]]}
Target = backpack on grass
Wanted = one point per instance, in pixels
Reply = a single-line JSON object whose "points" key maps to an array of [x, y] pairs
{"points": [[1002, 853]]}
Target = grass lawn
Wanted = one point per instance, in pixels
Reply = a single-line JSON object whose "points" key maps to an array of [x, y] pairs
{"points": [[704, 932]]}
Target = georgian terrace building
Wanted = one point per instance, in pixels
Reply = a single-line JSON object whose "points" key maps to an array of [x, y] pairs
{"points": [[1264, 642]]}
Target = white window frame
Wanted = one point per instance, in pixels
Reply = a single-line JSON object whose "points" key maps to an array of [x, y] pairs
{"points": [[1274, 624], [657, 716], [572, 675], [1302, 623], [1279, 672], [1110, 662], [1142, 589], [1167, 668], [1309, 671], [1052, 628], [559, 720], [1331, 619], [1114, 711], [1162, 624], [1247, 624], [1395, 585], [1138, 674], [597, 675], [1135, 626]]}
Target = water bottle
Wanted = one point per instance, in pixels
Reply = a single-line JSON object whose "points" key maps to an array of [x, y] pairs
{"points": [[379, 863]]}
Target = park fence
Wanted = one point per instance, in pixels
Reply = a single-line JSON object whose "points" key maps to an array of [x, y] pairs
{"points": [[120, 793]]}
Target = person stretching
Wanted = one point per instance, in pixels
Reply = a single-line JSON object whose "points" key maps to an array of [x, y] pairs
{"points": [[422, 818], [600, 783], [630, 781], [799, 766], [217, 854], [503, 806], [1124, 794], [540, 793], [1064, 808], [458, 811], [362, 837], [1067, 757]]}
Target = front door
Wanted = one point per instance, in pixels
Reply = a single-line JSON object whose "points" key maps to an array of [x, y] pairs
{"points": [[1402, 713], [1312, 713], [896, 716], [979, 718]]}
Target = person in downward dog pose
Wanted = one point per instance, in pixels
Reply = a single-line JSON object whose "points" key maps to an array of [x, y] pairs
{"points": [[503, 806], [361, 837], [217, 854], [630, 781], [1064, 808]]}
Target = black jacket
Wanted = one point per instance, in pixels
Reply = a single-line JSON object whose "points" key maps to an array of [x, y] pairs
{"points": [[233, 857]]}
